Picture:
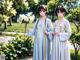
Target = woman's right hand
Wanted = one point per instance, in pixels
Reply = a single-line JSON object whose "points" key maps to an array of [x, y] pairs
{"points": [[45, 32]]}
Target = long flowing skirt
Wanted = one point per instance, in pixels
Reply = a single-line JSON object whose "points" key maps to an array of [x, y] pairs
{"points": [[60, 50]]}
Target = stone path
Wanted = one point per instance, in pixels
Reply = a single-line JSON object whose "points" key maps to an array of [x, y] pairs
{"points": [[13, 33], [6, 39]]}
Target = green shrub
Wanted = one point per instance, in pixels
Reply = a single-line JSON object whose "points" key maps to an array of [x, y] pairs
{"points": [[20, 47]]}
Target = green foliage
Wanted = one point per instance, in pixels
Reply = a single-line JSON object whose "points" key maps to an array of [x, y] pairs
{"points": [[33, 2], [21, 6], [74, 17], [4, 17], [6, 9], [19, 47], [74, 14], [52, 3], [75, 40]]}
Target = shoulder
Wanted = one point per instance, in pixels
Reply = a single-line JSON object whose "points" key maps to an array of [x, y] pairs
{"points": [[56, 21], [48, 20], [66, 21]]}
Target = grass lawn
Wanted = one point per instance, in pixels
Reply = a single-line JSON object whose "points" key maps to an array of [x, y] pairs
{"points": [[21, 27], [16, 27]]}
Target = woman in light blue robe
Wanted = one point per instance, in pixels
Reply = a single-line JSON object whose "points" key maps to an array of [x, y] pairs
{"points": [[41, 32], [62, 32]]}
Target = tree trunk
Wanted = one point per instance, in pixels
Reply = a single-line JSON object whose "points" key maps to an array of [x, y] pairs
{"points": [[76, 53], [10, 22], [25, 27], [5, 25]]}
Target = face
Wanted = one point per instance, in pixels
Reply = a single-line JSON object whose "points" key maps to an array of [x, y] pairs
{"points": [[42, 13], [60, 14]]}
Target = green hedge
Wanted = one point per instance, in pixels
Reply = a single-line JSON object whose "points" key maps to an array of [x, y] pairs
{"points": [[20, 47]]}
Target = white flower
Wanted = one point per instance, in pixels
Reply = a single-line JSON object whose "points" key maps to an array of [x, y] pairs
{"points": [[29, 14], [20, 18], [27, 18], [32, 17]]}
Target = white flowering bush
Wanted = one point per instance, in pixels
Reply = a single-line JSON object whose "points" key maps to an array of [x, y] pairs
{"points": [[29, 17]]}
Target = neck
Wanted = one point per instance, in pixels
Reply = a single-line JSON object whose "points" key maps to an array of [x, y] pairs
{"points": [[43, 17], [61, 18]]}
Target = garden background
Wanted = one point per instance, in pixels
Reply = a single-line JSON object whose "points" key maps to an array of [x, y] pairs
{"points": [[17, 16]]}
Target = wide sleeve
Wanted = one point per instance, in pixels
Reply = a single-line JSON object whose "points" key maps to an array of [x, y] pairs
{"points": [[49, 29], [66, 35], [32, 31]]}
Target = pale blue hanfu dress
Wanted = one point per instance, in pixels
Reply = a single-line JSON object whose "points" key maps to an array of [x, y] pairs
{"points": [[60, 47], [40, 27]]}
